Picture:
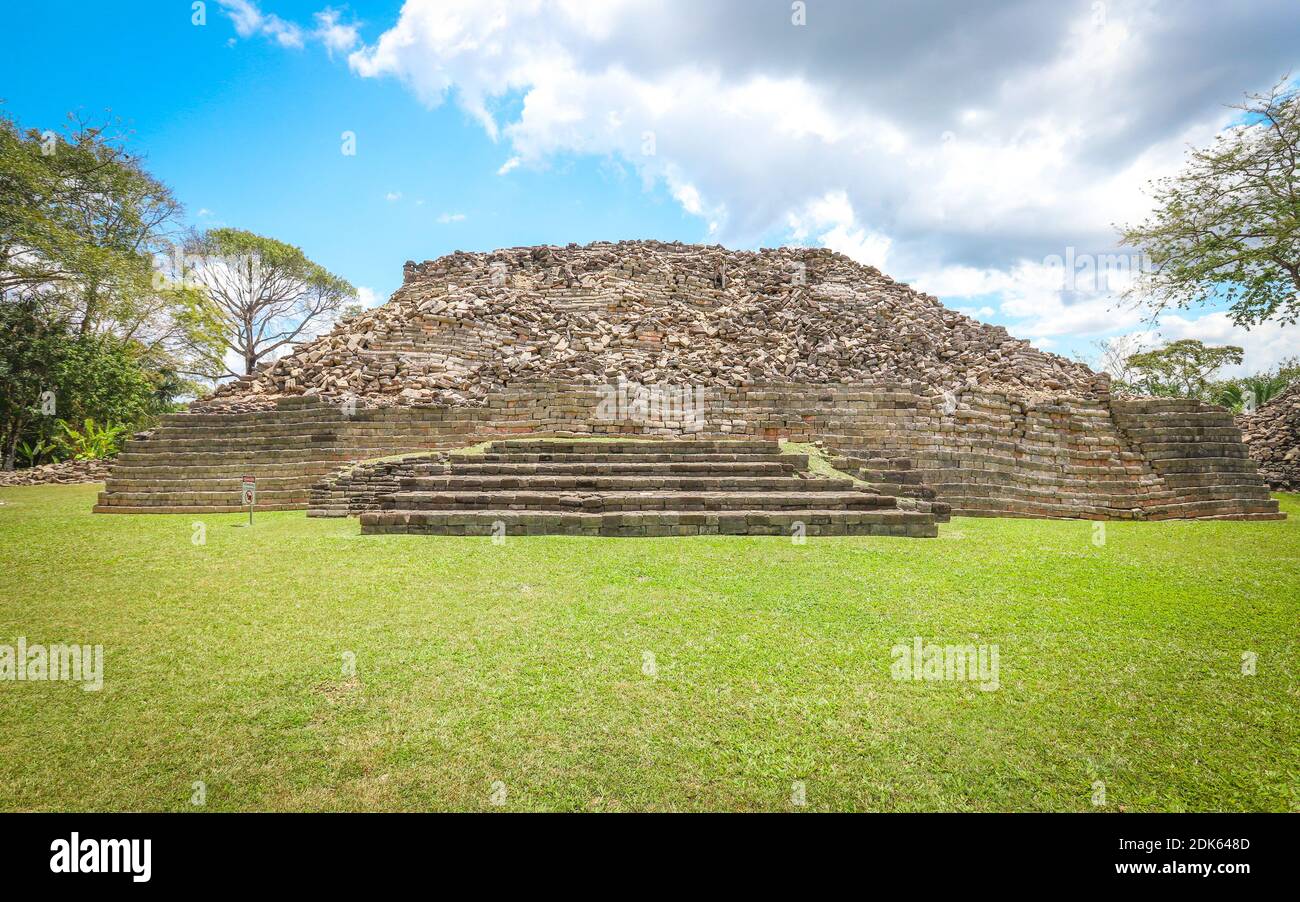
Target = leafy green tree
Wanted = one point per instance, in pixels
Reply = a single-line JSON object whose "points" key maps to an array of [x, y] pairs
{"points": [[1181, 369], [1228, 226], [1257, 390], [82, 223], [1288, 369], [32, 351], [268, 293], [50, 372]]}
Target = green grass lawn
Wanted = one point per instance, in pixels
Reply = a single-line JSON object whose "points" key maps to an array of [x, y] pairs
{"points": [[523, 665]]}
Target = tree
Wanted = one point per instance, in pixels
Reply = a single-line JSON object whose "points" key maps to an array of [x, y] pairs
{"points": [[1257, 390], [32, 350], [1181, 369], [1228, 226], [268, 292], [51, 373], [1112, 355], [82, 224]]}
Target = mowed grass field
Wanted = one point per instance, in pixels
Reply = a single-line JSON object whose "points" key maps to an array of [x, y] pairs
{"points": [[572, 674]]}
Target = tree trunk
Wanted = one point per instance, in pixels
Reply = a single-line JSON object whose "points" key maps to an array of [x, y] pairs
{"points": [[11, 444]]}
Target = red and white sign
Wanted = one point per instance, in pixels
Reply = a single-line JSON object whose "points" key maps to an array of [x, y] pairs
{"points": [[250, 490]]}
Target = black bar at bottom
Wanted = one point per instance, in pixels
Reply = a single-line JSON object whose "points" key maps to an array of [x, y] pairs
{"points": [[331, 851]]}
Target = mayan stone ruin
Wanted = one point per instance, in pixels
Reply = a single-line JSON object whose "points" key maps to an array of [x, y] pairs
{"points": [[692, 363]]}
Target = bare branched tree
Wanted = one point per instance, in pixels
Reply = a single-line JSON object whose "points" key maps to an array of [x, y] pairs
{"points": [[269, 293]]}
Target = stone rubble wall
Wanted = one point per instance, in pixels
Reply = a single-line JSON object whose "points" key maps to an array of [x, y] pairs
{"points": [[983, 452], [67, 472], [1273, 434]]}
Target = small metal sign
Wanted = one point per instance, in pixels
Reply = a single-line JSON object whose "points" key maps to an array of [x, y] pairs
{"points": [[249, 488]]}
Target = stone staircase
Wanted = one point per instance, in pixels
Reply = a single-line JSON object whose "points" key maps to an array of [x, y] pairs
{"points": [[194, 462], [1204, 467], [1143, 459], [623, 488], [893, 476]]}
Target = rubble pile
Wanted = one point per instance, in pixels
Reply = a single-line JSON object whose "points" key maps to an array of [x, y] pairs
{"points": [[652, 313], [1273, 435], [68, 472]]}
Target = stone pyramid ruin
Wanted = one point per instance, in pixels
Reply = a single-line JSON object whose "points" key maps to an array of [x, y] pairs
{"points": [[650, 313], [691, 348]]}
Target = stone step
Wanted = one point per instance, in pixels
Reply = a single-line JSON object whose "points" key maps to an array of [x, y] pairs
{"points": [[760, 468], [1223, 465], [1193, 434], [208, 483], [283, 455], [1197, 482], [810, 522], [187, 496], [165, 441], [646, 446], [706, 483], [1167, 450], [172, 508], [899, 490], [1215, 510], [633, 501], [596, 457], [897, 477]]}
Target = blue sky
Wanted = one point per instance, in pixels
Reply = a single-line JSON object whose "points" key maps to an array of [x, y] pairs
{"points": [[955, 146], [247, 133]]}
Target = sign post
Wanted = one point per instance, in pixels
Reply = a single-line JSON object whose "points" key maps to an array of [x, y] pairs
{"points": [[250, 495]]}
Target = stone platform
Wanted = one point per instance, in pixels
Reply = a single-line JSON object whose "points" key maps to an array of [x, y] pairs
{"points": [[978, 450]]}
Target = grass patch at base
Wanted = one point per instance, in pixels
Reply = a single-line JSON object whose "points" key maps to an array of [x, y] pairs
{"points": [[702, 673]]}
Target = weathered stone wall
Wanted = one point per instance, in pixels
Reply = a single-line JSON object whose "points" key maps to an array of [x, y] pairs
{"points": [[983, 452], [1273, 434]]}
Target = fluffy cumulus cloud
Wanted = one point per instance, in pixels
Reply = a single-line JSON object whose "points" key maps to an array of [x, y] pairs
{"points": [[962, 146]]}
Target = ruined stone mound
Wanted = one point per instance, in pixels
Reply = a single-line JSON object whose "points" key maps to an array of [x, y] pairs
{"points": [[1273, 435], [651, 313], [68, 472]]}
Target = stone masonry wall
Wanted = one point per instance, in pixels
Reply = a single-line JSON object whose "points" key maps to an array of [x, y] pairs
{"points": [[984, 453]]}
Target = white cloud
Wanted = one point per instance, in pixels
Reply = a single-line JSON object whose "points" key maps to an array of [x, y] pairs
{"points": [[249, 20], [832, 220], [1030, 151], [1265, 345], [334, 33], [393, 196], [445, 218], [368, 297], [958, 145]]}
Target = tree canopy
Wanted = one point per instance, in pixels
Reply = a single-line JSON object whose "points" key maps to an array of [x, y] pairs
{"points": [[1180, 369]]}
